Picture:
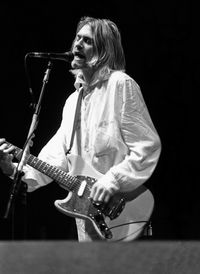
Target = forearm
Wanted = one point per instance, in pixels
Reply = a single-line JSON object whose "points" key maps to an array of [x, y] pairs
{"points": [[137, 167]]}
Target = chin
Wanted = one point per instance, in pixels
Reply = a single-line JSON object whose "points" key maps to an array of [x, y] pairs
{"points": [[76, 66], [79, 64]]}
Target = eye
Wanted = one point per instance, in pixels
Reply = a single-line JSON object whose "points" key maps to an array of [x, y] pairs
{"points": [[88, 40], [85, 39]]}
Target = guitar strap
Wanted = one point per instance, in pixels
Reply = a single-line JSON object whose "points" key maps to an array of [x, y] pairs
{"points": [[77, 111]]}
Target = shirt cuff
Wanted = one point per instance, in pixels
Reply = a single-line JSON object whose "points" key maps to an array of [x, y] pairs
{"points": [[110, 177]]}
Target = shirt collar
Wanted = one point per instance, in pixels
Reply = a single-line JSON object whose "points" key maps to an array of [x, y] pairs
{"points": [[99, 76], [79, 81]]}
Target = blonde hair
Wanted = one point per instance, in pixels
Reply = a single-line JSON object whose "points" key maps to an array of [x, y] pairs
{"points": [[108, 50]]}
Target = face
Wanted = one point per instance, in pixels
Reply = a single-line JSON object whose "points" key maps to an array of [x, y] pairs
{"points": [[82, 48]]}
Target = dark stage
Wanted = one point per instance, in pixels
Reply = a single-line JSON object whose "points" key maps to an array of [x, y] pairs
{"points": [[160, 40]]}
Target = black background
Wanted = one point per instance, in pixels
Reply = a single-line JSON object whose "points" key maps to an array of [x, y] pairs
{"points": [[160, 39]]}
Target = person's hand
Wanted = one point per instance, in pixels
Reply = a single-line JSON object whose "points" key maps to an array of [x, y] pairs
{"points": [[103, 189], [6, 157]]}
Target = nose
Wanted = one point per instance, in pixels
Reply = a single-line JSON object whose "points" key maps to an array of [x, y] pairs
{"points": [[79, 44]]}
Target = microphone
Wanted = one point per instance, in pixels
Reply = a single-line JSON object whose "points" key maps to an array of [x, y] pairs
{"points": [[65, 56]]}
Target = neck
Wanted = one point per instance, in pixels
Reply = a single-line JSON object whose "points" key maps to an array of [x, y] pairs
{"points": [[88, 74]]}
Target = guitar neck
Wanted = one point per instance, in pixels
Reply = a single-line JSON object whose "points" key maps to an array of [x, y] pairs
{"points": [[61, 177]]}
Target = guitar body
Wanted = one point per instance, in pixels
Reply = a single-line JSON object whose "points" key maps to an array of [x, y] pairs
{"points": [[125, 226]]}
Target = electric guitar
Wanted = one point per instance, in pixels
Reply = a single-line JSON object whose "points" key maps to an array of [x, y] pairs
{"points": [[123, 218]]}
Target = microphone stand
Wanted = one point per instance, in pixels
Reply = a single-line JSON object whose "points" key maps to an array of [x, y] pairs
{"points": [[19, 170]]}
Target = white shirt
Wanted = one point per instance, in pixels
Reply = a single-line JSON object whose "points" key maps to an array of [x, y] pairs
{"points": [[115, 135]]}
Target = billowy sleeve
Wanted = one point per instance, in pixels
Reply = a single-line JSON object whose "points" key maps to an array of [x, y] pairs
{"points": [[52, 153], [140, 137]]}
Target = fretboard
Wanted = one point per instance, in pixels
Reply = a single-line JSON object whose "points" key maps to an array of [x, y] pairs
{"points": [[61, 177]]}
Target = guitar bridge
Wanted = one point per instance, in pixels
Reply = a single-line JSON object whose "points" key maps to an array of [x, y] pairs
{"points": [[115, 211], [102, 225]]}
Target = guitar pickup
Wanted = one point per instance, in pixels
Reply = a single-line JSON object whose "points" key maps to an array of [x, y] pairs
{"points": [[82, 188]]}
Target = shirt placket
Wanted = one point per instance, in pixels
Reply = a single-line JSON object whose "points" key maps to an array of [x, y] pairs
{"points": [[84, 128]]}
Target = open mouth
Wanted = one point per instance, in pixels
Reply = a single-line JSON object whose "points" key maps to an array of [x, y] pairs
{"points": [[78, 55]]}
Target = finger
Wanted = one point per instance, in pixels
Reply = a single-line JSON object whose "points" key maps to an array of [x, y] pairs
{"points": [[92, 192], [3, 147], [95, 196], [107, 198], [6, 149], [96, 193], [9, 149], [101, 197], [10, 156], [2, 140]]}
